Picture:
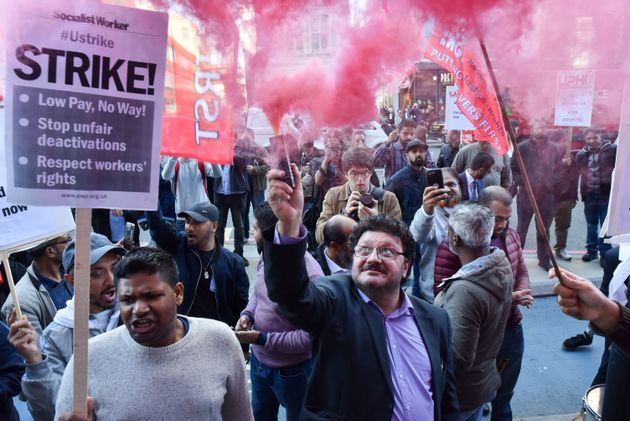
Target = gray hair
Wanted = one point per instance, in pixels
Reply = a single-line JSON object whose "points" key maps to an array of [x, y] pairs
{"points": [[473, 224]]}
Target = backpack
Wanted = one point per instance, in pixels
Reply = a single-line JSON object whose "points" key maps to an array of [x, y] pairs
{"points": [[202, 170]]}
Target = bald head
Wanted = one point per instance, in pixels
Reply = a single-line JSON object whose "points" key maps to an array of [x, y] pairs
{"points": [[336, 234], [421, 133]]}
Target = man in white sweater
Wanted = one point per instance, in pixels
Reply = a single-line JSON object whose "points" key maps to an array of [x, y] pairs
{"points": [[160, 365]]}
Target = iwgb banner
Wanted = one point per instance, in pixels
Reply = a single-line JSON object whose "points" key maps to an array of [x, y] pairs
{"points": [[200, 94], [476, 97]]}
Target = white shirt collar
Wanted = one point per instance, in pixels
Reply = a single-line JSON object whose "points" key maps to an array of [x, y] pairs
{"points": [[334, 267]]}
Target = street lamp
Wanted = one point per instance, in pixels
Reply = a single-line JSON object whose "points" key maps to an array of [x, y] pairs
{"points": [[437, 96]]}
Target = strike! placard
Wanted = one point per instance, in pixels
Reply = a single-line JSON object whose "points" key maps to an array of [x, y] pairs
{"points": [[84, 99]]}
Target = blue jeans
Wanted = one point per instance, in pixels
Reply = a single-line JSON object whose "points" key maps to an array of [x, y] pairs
{"points": [[471, 415], [272, 387], [512, 351], [595, 213]]}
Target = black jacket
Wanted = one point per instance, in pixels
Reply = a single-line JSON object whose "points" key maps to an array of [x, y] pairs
{"points": [[321, 258], [607, 153], [542, 163], [351, 378], [408, 185], [232, 283], [11, 371]]}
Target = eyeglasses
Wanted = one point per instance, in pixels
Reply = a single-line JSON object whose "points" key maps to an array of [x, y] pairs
{"points": [[362, 174], [381, 252]]}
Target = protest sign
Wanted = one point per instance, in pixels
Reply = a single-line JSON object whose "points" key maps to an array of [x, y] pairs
{"points": [[455, 119], [23, 225], [619, 204], [574, 98], [200, 94], [84, 100], [476, 97]]}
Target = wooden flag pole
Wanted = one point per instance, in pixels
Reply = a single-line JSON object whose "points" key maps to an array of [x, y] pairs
{"points": [[519, 160], [81, 311], [14, 297]]}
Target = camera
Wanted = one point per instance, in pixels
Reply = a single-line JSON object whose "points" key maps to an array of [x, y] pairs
{"points": [[367, 200]]}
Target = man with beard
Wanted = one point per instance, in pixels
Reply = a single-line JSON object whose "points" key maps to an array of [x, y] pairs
{"points": [[408, 185], [501, 172], [449, 151], [357, 198], [380, 355], [214, 277], [45, 367], [281, 353], [478, 300], [505, 238], [42, 290], [333, 254], [159, 365], [391, 154], [429, 228]]}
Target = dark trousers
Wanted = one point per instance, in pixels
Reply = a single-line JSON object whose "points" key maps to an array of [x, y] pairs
{"points": [[511, 354], [253, 198], [595, 213], [525, 212], [415, 286], [616, 404], [272, 387], [562, 218], [233, 203]]}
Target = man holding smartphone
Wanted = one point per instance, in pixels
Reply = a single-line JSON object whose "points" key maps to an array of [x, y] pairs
{"points": [[429, 227]]}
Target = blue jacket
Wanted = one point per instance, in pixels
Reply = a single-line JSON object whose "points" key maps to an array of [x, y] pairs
{"points": [[463, 181], [408, 185], [11, 370], [232, 283]]}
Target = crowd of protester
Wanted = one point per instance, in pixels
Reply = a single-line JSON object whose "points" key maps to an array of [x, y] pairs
{"points": [[372, 300]]}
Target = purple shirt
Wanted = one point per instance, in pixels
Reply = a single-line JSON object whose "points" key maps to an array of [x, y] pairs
{"points": [[409, 363]]}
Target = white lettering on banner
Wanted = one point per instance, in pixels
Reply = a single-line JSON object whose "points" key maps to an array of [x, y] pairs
{"points": [[203, 84]]}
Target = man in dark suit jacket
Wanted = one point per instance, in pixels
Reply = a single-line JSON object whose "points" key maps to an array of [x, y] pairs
{"points": [[379, 354], [333, 254], [471, 179]]}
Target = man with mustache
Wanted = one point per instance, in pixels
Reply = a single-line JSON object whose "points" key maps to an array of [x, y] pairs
{"points": [[379, 354], [45, 367], [214, 277], [429, 227], [160, 364]]}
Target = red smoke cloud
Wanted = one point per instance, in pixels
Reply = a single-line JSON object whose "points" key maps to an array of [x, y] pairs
{"points": [[528, 41]]}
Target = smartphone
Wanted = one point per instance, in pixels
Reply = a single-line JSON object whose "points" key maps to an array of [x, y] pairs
{"points": [[434, 178], [282, 147], [130, 230]]}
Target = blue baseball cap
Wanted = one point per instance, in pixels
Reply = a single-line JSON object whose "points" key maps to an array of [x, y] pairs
{"points": [[99, 247]]}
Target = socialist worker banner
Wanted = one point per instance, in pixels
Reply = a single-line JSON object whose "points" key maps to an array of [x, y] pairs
{"points": [[476, 97], [200, 94]]}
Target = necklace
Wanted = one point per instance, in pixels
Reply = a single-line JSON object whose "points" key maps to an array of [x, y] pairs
{"points": [[206, 274]]}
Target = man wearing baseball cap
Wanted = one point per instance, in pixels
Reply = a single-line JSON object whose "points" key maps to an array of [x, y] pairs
{"points": [[45, 367], [216, 285], [42, 291]]}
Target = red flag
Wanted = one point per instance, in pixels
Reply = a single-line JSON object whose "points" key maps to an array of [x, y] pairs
{"points": [[476, 97], [200, 94]]}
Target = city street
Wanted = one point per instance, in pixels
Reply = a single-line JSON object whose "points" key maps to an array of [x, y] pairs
{"points": [[552, 381]]}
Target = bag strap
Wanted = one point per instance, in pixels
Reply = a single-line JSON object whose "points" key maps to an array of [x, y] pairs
{"points": [[174, 183], [202, 171], [378, 193]]}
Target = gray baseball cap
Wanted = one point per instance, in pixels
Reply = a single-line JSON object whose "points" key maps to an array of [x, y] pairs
{"points": [[99, 247], [202, 212]]}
